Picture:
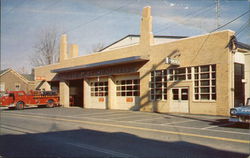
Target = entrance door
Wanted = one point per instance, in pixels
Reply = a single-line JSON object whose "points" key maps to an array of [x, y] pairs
{"points": [[179, 102]]}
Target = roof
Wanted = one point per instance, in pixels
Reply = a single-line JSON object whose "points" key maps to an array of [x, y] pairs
{"points": [[29, 77], [133, 35], [25, 77], [3, 71], [127, 60], [243, 45]]}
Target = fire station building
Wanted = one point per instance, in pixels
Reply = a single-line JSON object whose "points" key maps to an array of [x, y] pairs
{"points": [[206, 74]]}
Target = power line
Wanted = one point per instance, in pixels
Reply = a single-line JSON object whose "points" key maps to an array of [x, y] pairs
{"points": [[15, 7], [243, 27], [230, 21], [192, 15], [97, 17]]}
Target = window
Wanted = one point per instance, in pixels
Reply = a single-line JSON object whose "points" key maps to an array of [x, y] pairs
{"points": [[205, 82], [99, 89], [158, 85], [17, 86], [179, 74], [128, 87], [2, 86]]}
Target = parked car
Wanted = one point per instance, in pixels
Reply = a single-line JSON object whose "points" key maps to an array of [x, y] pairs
{"points": [[241, 113]]}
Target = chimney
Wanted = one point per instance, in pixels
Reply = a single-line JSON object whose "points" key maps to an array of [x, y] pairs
{"points": [[73, 50], [63, 48], [146, 36]]}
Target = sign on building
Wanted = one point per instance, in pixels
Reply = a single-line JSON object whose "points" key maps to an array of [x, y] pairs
{"points": [[172, 61]]}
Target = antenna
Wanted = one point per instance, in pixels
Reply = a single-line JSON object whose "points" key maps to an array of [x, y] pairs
{"points": [[217, 13]]}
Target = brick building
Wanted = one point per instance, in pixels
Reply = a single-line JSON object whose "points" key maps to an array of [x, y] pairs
{"points": [[13, 81], [205, 74]]}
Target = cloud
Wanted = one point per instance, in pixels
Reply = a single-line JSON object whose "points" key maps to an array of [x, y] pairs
{"points": [[171, 4]]}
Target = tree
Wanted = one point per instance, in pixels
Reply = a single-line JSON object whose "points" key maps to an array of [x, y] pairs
{"points": [[46, 48], [97, 47]]}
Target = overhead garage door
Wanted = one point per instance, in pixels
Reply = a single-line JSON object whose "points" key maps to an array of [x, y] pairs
{"points": [[99, 94]]}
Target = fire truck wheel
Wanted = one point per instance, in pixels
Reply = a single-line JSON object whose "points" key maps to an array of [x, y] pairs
{"points": [[20, 105], [50, 104]]}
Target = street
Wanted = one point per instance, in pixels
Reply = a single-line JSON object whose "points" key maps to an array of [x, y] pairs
{"points": [[77, 132]]}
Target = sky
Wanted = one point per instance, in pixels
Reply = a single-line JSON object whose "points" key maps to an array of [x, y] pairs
{"points": [[89, 22]]}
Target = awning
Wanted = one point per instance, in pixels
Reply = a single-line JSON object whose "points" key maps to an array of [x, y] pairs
{"points": [[120, 61]]}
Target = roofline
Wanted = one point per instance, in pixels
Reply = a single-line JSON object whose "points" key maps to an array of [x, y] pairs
{"points": [[134, 35], [107, 63], [17, 74]]}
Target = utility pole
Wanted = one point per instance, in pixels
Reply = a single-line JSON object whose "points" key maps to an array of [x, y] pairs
{"points": [[217, 13]]}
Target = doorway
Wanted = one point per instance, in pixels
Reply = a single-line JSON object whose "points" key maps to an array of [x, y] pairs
{"points": [[76, 92], [179, 100]]}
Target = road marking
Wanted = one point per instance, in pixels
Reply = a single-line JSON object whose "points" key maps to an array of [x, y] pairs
{"points": [[139, 120], [178, 122], [141, 128], [124, 117], [113, 114], [93, 114], [226, 124], [102, 150], [17, 129], [144, 123]]}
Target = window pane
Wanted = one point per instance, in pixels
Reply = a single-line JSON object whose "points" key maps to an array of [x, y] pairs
{"points": [[158, 85], [213, 96], [196, 76], [158, 79], [205, 83], [196, 83], [170, 71], [196, 90], [129, 88], [184, 97], [204, 96], [204, 68], [196, 96], [158, 97], [196, 69], [204, 76], [204, 90], [136, 87], [129, 82], [175, 97], [118, 93], [213, 68], [213, 75], [136, 93], [180, 71], [136, 81], [213, 89], [129, 93], [158, 73], [213, 82]]}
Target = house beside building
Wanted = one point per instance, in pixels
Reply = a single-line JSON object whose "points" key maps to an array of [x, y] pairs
{"points": [[205, 74], [10, 80]]}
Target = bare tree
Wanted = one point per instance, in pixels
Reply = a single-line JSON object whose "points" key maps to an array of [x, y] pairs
{"points": [[97, 47], [46, 48]]}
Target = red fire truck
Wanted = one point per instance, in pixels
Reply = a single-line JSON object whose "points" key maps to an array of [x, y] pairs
{"points": [[19, 99]]}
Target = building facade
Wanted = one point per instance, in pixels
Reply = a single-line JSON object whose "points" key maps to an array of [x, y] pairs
{"points": [[10, 80], [181, 74]]}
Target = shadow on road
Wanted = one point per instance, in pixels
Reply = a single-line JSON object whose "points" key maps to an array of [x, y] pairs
{"points": [[91, 143]]}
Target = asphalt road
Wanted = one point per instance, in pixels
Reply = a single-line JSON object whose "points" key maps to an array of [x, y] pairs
{"points": [[76, 132]]}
